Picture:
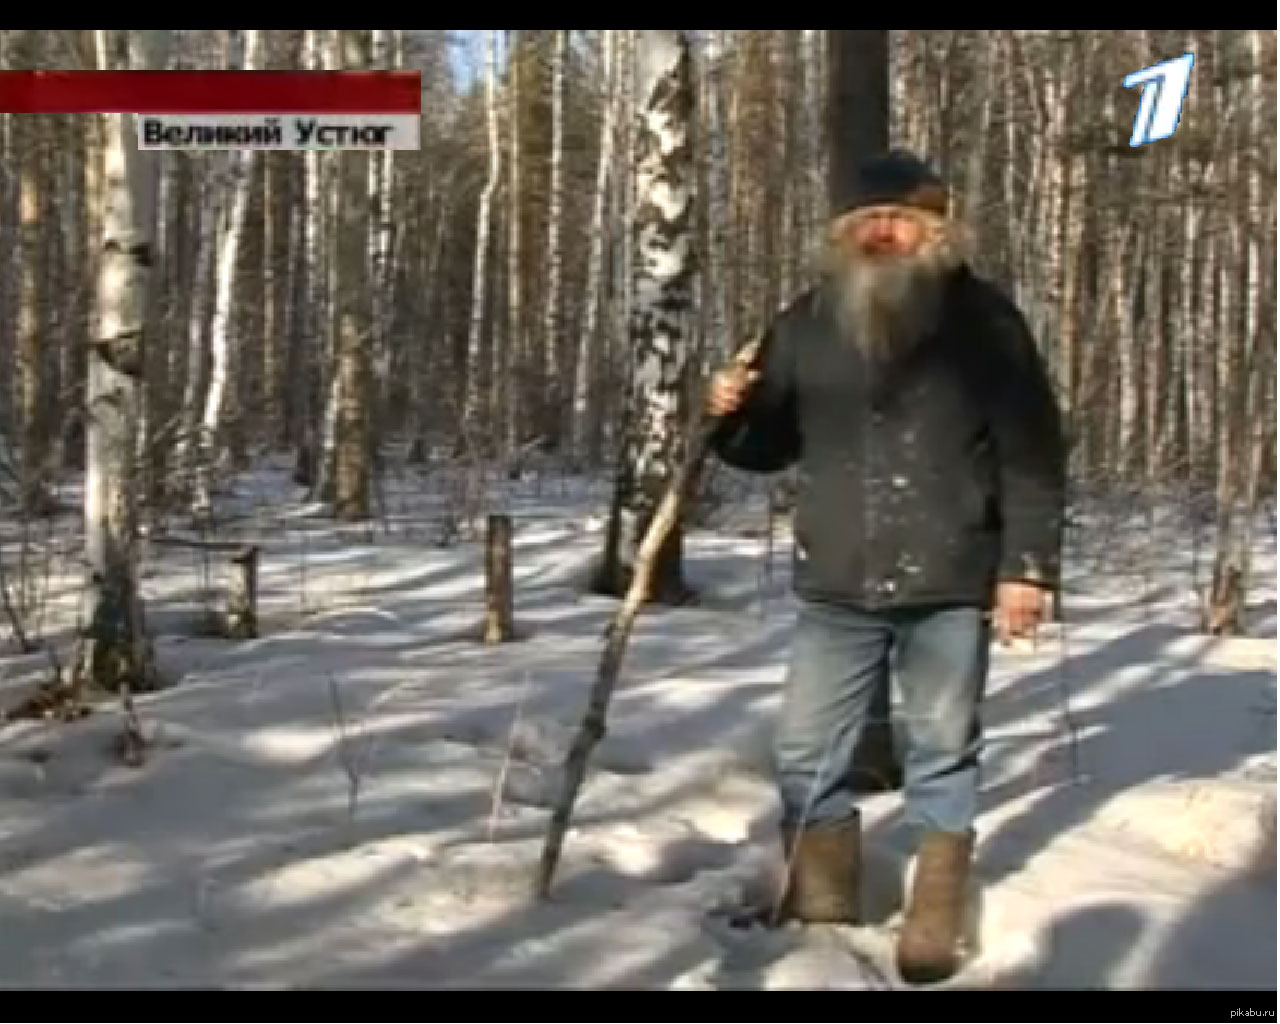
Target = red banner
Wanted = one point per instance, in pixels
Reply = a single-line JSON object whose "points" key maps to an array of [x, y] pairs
{"points": [[211, 92]]}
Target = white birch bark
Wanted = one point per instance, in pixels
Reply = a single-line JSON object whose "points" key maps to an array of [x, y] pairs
{"points": [[660, 316], [518, 361], [115, 651], [330, 213], [552, 339], [382, 240], [311, 289], [240, 165], [583, 407], [625, 292], [353, 344], [472, 412]]}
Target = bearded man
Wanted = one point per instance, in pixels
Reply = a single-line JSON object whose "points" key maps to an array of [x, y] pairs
{"points": [[910, 394]]}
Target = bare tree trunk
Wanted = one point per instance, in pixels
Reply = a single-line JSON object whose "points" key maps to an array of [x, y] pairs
{"points": [[517, 341], [330, 173], [8, 228], [472, 412], [382, 241], [1241, 345], [552, 329], [627, 197], [980, 128], [715, 290], [499, 618], [583, 406], [310, 286], [795, 156], [1130, 357], [279, 208], [33, 334], [212, 453], [205, 217], [661, 314], [115, 648], [858, 104], [352, 470]]}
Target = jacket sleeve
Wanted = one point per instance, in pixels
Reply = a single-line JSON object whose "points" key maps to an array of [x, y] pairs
{"points": [[762, 436], [1030, 450]]}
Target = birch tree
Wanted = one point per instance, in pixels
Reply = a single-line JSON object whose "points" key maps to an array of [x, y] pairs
{"points": [[714, 290], [585, 416], [517, 342], [239, 168], [661, 315], [353, 355], [30, 145], [472, 411], [115, 649], [552, 335]]}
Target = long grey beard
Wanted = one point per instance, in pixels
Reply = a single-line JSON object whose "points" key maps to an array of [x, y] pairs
{"points": [[886, 306]]}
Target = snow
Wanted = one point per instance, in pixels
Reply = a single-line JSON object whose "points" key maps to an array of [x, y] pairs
{"points": [[265, 845]]}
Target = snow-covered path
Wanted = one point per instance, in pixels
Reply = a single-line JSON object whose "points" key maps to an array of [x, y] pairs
{"points": [[242, 855]]}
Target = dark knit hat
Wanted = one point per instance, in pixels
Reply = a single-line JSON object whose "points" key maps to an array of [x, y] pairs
{"points": [[895, 178]]}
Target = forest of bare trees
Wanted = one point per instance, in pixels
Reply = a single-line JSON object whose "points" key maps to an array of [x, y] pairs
{"points": [[593, 220]]}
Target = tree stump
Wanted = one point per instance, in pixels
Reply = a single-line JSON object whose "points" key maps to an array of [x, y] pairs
{"points": [[499, 624], [1224, 611], [242, 594]]}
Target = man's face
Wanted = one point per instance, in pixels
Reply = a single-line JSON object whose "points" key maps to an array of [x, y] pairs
{"points": [[882, 231], [888, 264]]}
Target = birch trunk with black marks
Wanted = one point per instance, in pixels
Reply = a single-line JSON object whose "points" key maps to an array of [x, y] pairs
{"points": [[661, 315], [715, 291], [115, 650]]}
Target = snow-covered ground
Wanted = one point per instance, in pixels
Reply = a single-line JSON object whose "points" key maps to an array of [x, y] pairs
{"points": [[1141, 854]]}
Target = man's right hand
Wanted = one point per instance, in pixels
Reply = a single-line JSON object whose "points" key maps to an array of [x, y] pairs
{"points": [[729, 387]]}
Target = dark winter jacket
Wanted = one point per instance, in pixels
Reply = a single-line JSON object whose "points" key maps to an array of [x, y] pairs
{"points": [[927, 484]]}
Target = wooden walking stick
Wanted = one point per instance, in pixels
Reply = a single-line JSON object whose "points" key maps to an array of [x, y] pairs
{"points": [[592, 729]]}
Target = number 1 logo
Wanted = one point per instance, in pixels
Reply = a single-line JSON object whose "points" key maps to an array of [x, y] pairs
{"points": [[1164, 88]]}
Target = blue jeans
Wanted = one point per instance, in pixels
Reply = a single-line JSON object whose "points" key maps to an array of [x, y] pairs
{"points": [[940, 656]]}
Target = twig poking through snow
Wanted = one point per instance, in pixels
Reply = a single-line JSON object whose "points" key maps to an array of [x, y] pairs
{"points": [[346, 752], [501, 782]]}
